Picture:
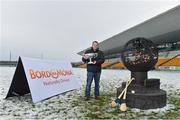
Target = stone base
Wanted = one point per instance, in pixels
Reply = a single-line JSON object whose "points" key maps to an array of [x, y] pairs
{"points": [[144, 97]]}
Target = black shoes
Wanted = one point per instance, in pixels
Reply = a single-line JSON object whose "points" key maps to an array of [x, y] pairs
{"points": [[97, 98], [87, 98]]}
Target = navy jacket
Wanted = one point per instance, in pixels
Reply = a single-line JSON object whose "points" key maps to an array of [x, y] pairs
{"points": [[99, 60]]}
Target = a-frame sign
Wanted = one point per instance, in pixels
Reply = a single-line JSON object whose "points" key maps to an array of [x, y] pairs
{"points": [[19, 85], [42, 78]]}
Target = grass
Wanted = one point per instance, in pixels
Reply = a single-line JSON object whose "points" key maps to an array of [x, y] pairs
{"points": [[173, 99], [101, 109]]}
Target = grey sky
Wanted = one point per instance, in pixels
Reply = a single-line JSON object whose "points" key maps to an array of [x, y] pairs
{"points": [[59, 29]]}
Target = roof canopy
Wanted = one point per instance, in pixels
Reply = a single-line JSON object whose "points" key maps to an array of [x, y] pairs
{"points": [[164, 28]]}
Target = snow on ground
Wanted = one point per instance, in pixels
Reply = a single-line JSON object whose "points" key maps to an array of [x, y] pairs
{"points": [[63, 106]]}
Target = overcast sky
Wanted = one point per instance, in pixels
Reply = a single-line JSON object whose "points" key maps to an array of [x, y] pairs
{"points": [[58, 29]]}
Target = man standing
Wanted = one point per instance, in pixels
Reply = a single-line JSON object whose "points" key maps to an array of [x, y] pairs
{"points": [[93, 70]]}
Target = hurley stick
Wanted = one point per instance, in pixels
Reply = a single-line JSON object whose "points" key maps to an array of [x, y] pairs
{"points": [[123, 106], [118, 101]]}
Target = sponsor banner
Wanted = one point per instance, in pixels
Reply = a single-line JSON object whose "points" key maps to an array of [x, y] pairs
{"points": [[45, 78]]}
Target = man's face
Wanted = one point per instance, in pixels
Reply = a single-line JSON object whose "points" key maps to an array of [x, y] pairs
{"points": [[95, 46]]}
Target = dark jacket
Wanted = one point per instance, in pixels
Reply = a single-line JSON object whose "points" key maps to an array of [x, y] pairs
{"points": [[99, 60]]}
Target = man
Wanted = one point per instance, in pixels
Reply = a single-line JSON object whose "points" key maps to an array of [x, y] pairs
{"points": [[93, 70]]}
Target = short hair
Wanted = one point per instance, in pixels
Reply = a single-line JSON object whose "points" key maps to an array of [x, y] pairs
{"points": [[95, 42]]}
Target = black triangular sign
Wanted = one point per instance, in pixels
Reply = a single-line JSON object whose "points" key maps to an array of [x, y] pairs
{"points": [[19, 85]]}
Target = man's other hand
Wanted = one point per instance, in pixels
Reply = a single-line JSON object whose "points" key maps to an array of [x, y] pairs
{"points": [[94, 62]]}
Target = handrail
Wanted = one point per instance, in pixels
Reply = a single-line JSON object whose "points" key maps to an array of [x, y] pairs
{"points": [[168, 60]]}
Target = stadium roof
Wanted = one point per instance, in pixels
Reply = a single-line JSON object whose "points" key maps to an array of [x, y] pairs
{"points": [[164, 28]]}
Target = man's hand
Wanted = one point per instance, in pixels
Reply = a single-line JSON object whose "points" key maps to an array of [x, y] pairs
{"points": [[85, 56], [94, 62]]}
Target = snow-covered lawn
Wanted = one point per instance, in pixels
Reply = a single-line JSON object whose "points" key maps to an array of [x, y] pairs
{"points": [[71, 105]]}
